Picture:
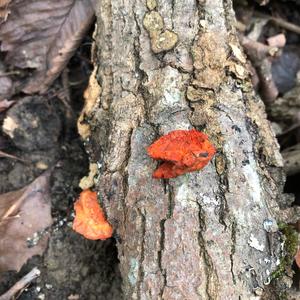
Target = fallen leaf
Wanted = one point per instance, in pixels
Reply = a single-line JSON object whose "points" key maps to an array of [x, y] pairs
{"points": [[23, 215], [89, 219], [5, 104], [183, 151], [6, 87], [297, 258], [4, 11], [4, 3], [43, 35]]}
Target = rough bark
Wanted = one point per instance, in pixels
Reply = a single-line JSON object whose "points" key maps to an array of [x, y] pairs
{"points": [[210, 234]]}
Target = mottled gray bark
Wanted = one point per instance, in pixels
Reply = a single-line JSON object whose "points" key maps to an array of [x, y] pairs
{"points": [[210, 234]]}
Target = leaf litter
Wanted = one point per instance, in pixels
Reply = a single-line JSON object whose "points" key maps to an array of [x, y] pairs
{"points": [[24, 215], [43, 35]]}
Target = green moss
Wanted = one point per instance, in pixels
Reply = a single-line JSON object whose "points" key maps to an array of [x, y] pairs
{"points": [[283, 296], [290, 239]]}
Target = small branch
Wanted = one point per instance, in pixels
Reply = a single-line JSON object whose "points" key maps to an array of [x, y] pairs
{"points": [[280, 22], [259, 54], [10, 73], [21, 284], [257, 51], [7, 155], [12, 209], [65, 95]]}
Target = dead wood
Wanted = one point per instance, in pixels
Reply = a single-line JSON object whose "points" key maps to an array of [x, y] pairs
{"points": [[210, 234]]}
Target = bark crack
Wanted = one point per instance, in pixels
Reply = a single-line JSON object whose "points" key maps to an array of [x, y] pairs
{"points": [[172, 13], [142, 74], [228, 9], [222, 170], [169, 215], [159, 255], [141, 274], [211, 276], [232, 251]]}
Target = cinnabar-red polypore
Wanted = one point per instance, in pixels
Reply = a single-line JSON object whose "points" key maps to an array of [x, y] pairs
{"points": [[89, 217], [182, 151]]}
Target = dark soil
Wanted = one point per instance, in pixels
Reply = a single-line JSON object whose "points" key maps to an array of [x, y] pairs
{"points": [[72, 267]]}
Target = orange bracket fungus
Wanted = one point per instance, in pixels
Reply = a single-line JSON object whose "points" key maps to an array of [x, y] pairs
{"points": [[89, 217], [182, 151]]}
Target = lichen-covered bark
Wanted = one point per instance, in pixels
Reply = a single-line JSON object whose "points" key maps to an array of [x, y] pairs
{"points": [[166, 65]]}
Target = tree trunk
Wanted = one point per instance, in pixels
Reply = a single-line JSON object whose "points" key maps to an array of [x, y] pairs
{"points": [[210, 234]]}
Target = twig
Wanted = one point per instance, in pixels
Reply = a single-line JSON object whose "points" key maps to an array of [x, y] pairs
{"points": [[21, 284], [7, 155], [13, 208], [291, 128], [65, 83], [280, 22], [259, 55], [65, 97], [10, 73], [257, 51]]}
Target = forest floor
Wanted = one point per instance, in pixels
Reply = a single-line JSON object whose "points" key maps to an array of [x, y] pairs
{"points": [[43, 138]]}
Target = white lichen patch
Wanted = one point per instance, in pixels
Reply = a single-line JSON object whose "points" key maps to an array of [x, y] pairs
{"points": [[174, 94], [251, 175], [133, 272], [185, 197], [270, 225], [168, 105], [267, 261], [254, 243], [209, 202]]}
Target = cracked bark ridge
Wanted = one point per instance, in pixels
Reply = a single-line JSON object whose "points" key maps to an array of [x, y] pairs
{"points": [[202, 235]]}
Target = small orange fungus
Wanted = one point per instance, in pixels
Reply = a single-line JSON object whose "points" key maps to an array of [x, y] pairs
{"points": [[89, 217], [182, 151]]}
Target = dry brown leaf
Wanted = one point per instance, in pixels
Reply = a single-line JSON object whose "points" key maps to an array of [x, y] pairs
{"points": [[4, 11], [5, 104], [297, 258], [4, 3], [43, 35], [24, 213], [6, 86]]}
